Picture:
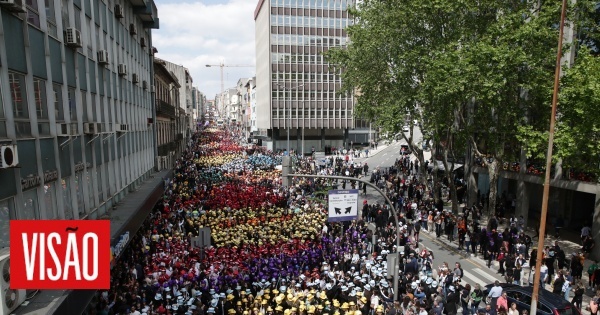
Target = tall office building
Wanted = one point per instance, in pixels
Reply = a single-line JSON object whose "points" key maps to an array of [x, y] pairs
{"points": [[299, 91]]}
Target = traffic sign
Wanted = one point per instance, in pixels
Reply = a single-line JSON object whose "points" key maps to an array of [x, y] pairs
{"points": [[343, 205]]}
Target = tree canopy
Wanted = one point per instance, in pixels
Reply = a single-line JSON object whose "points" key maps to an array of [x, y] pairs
{"points": [[470, 72]]}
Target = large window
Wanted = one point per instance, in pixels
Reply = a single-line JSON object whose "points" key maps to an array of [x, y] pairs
{"points": [[67, 203], [84, 106], [30, 205], [41, 102], [7, 213], [33, 15], [18, 94], [79, 191], [72, 104], [64, 12], [50, 200], [2, 117], [51, 18], [90, 184], [100, 183], [59, 112]]}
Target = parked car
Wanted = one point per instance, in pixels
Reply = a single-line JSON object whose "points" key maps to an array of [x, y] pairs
{"points": [[405, 128], [548, 302]]}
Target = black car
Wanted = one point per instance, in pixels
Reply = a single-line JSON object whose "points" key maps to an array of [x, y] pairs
{"points": [[548, 302]]}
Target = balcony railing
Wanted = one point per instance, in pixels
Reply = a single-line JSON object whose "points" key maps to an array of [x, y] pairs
{"points": [[165, 109]]}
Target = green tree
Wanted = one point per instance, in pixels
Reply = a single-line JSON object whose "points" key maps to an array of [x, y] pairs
{"points": [[467, 71], [577, 134]]}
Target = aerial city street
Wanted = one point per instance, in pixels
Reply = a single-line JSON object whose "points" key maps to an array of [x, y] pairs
{"points": [[294, 157]]}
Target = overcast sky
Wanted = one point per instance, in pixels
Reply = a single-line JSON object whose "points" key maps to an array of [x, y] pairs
{"points": [[194, 33]]}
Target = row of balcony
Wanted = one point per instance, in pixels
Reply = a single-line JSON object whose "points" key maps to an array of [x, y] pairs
{"points": [[539, 168]]}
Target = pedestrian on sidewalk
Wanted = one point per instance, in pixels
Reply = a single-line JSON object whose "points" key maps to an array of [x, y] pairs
{"points": [[578, 297], [577, 266], [591, 269], [568, 286], [585, 231], [494, 294], [476, 298], [588, 245]]}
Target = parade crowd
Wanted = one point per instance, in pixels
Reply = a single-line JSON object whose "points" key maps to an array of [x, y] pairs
{"points": [[273, 251]]}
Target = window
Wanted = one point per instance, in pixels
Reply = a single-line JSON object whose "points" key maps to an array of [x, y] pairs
{"points": [[51, 18], [84, 106], [18, 95], [30, 205], [41, 105], [33, 15], [59, 113], [50, 200], [100, 183], [77, 15], [65, 13], [72, 104], [2, 121], [66, 191], [90, 183], [7, 213], [90, 26], [79, 192]]}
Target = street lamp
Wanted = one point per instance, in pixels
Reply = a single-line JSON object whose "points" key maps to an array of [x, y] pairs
{"points": [[289, 91]]}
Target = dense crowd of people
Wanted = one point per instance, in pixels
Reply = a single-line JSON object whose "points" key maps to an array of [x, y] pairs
{"points": [[273, 251]]}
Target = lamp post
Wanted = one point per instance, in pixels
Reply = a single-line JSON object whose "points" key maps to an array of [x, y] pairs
{"points": [[289, 91]]}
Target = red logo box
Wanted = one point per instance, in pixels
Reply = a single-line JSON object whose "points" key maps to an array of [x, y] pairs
{"points": [[60, 254]]}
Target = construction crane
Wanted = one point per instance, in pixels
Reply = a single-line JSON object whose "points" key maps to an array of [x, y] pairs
{"points": [[221, 66]]}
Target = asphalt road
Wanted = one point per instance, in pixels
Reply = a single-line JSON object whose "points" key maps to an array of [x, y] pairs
{"points": [[474, 268]]}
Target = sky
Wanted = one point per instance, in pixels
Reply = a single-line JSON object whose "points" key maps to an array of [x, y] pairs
{"points": [[194, 33]]}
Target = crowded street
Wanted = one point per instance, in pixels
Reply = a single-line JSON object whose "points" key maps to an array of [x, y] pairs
{"points": [[273, 251]]}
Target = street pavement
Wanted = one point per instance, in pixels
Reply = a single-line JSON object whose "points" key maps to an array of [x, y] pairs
{"points": [[475, 267]]}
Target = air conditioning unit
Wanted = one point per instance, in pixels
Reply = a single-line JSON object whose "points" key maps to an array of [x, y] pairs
{"points": [[65, 130], [122, 128], [159, 164], [132, 29], [119, 11], [145, 85], [122, 68], [8, 156], [73, 37], [135, 78], [143, 42], [11, 299], [90, 128], [14, 5], [103, 57]]}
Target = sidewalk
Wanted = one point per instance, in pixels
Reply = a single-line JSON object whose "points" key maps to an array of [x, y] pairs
{"points": [[568, 242]]}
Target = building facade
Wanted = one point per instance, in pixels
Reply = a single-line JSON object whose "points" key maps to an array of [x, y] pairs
{"points": [[184, 117], [300, 94], [198, 111], [166, 89], [251, 106], [76, 111]]}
